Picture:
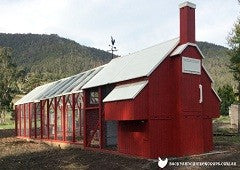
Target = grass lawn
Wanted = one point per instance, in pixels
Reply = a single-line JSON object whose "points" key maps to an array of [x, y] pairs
{"points": [[230, 140], [222, 119], [9, 123]]}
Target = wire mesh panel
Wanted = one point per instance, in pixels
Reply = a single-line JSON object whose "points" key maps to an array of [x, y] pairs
{"points": [[79, 119], [59, 120], [93, 138], [79, 124], [51, 123], [30, 120], [69, 123], [44, 120]]}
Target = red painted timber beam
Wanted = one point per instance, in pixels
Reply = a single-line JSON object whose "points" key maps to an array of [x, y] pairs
{"points": [[20, 119], [100, 118], [85, 120], [64, 117], [41, 118], [29, 119], [55, 117], [16, 120], [73, 118], [48, 123], [24, 111], [35, 119]]}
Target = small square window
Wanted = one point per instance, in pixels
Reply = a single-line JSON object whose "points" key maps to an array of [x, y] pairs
{"points": [[93, 99]]}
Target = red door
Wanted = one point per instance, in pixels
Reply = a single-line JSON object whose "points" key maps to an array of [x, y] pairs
{"points": [[191, 91]]}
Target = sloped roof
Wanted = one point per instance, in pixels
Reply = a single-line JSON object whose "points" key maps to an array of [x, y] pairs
{"points": [[182, 47], [138, 64], [61, 87], [126, 91]]}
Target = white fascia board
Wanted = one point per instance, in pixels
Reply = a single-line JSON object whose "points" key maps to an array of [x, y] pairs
{"points": [[36, 101], [216, 95], [207, 73], [167, 54], [182, 47]]}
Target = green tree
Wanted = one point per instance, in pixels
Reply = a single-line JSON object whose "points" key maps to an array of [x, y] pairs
{"points": [[8, 82], [227, 95], [31, 81], [234, 43]]}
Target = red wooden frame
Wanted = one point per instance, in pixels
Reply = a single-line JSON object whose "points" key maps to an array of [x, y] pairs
{"points": [[24, 111], [16, 120], [73, 118], [29, 120]]}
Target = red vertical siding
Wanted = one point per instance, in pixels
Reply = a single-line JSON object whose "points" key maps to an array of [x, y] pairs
{"points": [[133, 138], [191, 135], [162, 137], [174, 107], [207, 134], [211, 104], [134, 109], [119, 110], [162, 110], [160, 95]]}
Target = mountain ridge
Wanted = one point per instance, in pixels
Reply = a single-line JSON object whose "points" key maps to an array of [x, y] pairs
{"points": [[56, 57]]}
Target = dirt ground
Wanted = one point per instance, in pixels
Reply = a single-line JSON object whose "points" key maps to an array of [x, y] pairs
{"points": [[20, 154]]}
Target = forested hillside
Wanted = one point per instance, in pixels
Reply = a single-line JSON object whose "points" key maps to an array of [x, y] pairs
{"points": [[45, 58], [217, 62], [52, 54]]}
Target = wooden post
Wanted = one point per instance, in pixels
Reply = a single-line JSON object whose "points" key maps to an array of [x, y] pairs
{"points": [[73, 118], [238, 118], [48, 123], [41, 118], [80, 114], [16, 120], [101, 124], [64, 117], [24, 111], [55, 118], [29, 119], [35, 119], [20, 119], [84, 119]]}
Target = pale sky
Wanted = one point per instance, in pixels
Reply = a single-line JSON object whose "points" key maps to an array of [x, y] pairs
{"points": [[135, 24]]}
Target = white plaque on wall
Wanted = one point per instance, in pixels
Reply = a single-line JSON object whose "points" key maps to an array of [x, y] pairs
{"points": [[191, 65]]}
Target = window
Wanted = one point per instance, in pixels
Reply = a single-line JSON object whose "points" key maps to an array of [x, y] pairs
{"points": [[93, 99]]}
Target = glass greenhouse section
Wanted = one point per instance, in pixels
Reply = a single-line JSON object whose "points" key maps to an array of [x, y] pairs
{"points": [[54, 111]]}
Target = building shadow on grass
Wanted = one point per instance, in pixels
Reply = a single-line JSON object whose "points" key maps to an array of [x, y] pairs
{"points": [[4, 133]]}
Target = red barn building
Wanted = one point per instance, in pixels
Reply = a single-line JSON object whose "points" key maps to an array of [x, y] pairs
{"points": [[155, 102]]}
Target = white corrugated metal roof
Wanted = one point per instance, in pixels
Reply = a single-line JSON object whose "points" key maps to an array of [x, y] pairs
{"points": [[135, 65], [67, 85], [126, 91]]}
